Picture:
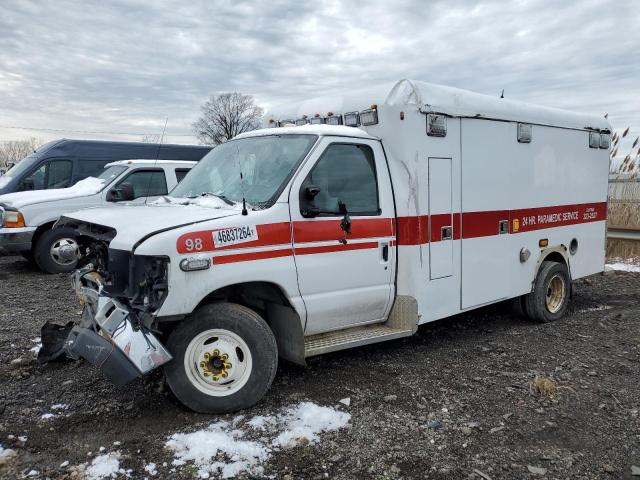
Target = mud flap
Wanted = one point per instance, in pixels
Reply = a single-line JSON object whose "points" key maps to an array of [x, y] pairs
{"points": [[54, 339]]}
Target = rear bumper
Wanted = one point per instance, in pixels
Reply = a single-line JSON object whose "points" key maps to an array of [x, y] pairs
{"points": [[16, 240]]}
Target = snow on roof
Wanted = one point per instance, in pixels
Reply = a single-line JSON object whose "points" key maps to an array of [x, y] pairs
{"points": [[429, 97], [337, 130], [88, 186], [142, 161]]}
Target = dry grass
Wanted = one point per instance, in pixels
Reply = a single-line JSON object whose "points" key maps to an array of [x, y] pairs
{"points": [[622, 249], [543, 387]]}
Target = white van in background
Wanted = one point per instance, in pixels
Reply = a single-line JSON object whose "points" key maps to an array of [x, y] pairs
{"points": [[27, 218]]}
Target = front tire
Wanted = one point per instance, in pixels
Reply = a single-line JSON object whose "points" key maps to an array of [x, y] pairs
{"points": [[57, 250], [224, 359], [549, 299]]}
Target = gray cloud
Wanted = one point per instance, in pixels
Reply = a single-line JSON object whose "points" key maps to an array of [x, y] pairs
{"points": [[124, 66]]}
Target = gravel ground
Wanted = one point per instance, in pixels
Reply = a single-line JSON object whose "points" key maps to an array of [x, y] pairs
{"points": [[451, 402]]}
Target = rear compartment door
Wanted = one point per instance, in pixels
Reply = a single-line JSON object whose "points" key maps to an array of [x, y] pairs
{"points": [[485, 218]]}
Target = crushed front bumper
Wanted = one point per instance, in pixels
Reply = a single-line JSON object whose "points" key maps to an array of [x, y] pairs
{"points": [[15, 240], [108, 335]]}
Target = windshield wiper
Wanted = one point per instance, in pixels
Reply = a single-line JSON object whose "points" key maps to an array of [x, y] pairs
{"points": [[218, 195]]}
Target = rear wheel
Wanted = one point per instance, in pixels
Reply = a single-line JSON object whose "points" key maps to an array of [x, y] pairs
{"points": [[57, 250], [224, 359], [549, 299]]}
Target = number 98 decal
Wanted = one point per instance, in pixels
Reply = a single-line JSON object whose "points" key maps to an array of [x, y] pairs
{"points": [[193, 244]]}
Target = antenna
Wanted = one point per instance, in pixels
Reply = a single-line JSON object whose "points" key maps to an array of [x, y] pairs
{"points": [[155, 163], [502, 94]]}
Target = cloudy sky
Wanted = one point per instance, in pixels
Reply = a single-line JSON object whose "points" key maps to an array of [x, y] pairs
{"points": [[124, 66]]}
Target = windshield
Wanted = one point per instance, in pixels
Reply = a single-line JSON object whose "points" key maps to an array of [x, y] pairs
{"points": [[266, 163], [109, 174]]}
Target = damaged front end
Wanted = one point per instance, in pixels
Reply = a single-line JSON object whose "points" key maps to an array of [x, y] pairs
{"points": [[120, 294]]}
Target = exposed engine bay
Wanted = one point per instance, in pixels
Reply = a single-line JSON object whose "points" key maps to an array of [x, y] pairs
{"points": [[120, 294]]}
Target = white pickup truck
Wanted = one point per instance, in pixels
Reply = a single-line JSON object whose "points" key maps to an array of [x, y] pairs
{"points": [[27, 218]]}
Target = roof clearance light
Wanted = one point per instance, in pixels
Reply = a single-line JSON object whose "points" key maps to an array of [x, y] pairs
{"points": [[301, 121], [193, 264], [316, 121], [594, 140], [352, 119], [369, 117], [524, 132], [334, 120], [286, 123], [605, 140], [436, 125]]}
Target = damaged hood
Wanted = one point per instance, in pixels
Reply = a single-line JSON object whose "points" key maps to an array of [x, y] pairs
{"points": [[135, 222]]}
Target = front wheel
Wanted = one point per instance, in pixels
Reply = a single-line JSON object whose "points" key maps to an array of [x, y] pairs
{"points": [[224, 359], [57, 250], [549, 299]]}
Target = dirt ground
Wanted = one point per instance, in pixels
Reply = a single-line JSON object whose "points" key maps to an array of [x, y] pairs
{"points": [[451, 402]]}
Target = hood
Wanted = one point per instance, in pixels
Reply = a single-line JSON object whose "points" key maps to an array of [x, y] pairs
{"points": [[135, 222], [88, 186]]}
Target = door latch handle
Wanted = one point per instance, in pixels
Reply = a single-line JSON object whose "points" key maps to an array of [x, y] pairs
{"points": [[446, 233], [384, 251], [503, 227]]}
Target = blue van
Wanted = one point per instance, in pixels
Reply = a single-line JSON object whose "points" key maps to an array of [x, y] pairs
{"points": [[62, 163]]}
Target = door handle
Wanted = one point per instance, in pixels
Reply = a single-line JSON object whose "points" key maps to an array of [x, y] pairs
{"points": [[384, 251], [446, 233], [503, 227]]}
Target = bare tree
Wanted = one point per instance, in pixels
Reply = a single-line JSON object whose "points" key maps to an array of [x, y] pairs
{"points": [[151, 138], [12, 151], [226, 115]]}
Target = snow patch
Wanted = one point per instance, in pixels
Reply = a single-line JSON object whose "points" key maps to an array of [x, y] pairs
{"points": [[226, 449], [47, 416], [88, 186], [209, 201], [304, 422], [104, 466], [6, 454], [151, 469], [35, 349], [59, 406], [624, 267]]}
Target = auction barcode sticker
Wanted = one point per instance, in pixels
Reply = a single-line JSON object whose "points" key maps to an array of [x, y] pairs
{"points": [[234, 235]]}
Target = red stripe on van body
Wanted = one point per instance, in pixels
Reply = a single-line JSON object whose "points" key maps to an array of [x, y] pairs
{"points": [[328, 230], [268, 234]]}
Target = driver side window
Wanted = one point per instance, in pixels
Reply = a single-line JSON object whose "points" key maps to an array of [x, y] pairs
{"points": [[346, 173], [53, 174]]}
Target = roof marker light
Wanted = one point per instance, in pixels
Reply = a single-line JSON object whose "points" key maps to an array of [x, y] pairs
{"points": [[352, 119], [605, 140], [369, 117], [317, 120], [436, 125], [594, 140], [333, 120], [301, 121]]}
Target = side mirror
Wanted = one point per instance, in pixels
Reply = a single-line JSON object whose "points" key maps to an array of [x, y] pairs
{"points": [[28, 184], [122, 193], [307, 208]]}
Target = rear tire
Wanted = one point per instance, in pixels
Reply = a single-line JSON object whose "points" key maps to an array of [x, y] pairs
{"points": [[549, 299], [57, 250], [224, 359]]}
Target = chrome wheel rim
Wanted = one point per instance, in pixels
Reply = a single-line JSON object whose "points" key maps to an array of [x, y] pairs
{"points": [[65, 251], [556, 293], [218, 362]]}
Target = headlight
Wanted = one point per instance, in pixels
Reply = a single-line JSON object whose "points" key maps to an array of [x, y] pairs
{"points": [[13, 219]]}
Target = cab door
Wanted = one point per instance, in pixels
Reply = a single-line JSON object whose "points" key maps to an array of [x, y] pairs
{"points": [[343, 234]]}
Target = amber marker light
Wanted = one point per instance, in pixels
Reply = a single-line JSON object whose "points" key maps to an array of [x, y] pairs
{"points": [[13, 220], [543, 242]]}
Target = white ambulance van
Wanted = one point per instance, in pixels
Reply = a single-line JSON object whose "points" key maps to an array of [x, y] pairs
{"points": [[349, 220]]}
